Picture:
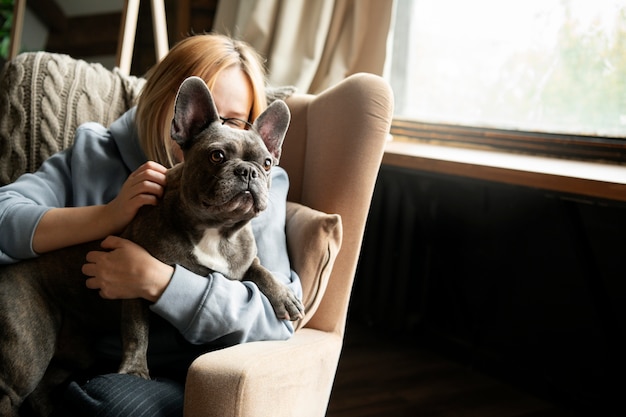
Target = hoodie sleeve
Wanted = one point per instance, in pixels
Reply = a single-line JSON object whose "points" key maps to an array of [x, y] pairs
{"points": [[73, 177], [214, 308], [24, 202]]}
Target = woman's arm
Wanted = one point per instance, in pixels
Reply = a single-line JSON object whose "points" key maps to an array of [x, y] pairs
{"points": [[204, 309], [66, 226], [83, 193], [215, 308]]}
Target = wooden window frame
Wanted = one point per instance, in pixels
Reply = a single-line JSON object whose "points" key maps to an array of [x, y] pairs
{"points": [[514, 158], [588, 148]]}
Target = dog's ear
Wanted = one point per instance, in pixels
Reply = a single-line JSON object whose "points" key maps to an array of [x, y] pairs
{"points": [[272, 124], [193, 112]]}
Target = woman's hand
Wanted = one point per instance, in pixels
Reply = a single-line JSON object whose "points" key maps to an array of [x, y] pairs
{"points": [[126, 271], [143, 187]]}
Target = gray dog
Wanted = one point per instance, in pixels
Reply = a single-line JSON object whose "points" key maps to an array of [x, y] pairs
{"points": [[202, 223]]}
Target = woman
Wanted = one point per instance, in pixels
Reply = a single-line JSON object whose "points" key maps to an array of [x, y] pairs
{"points": [[92, 190]]}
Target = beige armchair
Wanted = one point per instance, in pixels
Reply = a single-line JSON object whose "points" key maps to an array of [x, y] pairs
{"points": [[332, 153]]}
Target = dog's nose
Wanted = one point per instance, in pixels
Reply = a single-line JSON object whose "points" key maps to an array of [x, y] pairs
{"points": [[245, 172]]}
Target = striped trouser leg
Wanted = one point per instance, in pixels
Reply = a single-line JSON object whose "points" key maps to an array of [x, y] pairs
{"points": [[119, 395]]}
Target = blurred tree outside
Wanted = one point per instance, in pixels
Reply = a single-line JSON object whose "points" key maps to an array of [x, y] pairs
{"points": [[580, 86], [535, 65]]}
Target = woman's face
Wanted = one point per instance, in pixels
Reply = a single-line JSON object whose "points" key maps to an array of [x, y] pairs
{"points": [[232, 93]]}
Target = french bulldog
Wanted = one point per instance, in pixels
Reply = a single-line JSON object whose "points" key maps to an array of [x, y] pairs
{"points": [[202, 223]]}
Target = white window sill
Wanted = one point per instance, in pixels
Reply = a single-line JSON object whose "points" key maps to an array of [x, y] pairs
{"points": [[590, 179]]}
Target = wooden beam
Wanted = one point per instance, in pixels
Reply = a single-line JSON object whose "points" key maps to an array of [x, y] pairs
{"points": [[16, 28], [126, 38], [128, 29], [159, 29]]}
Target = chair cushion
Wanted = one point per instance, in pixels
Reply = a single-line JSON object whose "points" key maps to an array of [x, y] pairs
{"points": [[313, 241]]}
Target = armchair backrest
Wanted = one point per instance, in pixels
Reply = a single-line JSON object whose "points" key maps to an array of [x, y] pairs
{"points": [[332, 153]]}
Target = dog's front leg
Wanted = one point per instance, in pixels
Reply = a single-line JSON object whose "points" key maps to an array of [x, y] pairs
{"points": [[135, 331], [285, 303]]}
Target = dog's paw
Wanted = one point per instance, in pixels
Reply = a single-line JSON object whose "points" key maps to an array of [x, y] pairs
{"points": [[140, 371], [287, 306]]}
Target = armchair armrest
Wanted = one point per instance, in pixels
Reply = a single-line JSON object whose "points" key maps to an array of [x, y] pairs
{"points": [[274, 378]]}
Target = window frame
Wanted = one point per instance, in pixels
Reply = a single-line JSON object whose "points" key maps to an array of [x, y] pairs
{"points": [[588, 148], [551, 144]]}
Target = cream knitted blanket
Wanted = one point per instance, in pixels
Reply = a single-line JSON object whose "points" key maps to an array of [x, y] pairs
{"points": [[44, 97]]}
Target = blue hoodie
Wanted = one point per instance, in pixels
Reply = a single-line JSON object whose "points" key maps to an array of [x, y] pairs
{"points": [[205, 310]]}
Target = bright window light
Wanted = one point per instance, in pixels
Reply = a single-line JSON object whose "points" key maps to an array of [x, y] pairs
{"points": [[534, 65]]}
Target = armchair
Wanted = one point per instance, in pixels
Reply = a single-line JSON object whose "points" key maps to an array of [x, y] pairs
{"points": [[332, 153]]}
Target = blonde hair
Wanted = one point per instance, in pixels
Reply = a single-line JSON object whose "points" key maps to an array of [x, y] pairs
{"points": [[205, 56]]}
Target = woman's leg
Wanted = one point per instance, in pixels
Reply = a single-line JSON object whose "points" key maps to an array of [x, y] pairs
{"points": [[119, 395]]}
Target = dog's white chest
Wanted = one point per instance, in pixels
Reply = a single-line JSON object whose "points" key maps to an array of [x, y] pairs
{"points": [[207, 252]]}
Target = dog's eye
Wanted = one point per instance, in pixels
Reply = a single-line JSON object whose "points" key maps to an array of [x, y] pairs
{"points": [[217, 157], [267, 164]]}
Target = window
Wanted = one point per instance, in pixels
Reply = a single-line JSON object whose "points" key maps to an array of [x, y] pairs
{"points": [[545, 76]]}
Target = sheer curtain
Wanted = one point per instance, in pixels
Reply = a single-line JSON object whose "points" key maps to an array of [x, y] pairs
{"points": [[311, 44]]}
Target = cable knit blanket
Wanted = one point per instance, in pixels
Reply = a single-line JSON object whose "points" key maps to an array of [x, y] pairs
{"points": [[44, 97]]}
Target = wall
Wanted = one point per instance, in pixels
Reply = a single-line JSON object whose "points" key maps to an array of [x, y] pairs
{"points": [[35, 33], [515, 281]]}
